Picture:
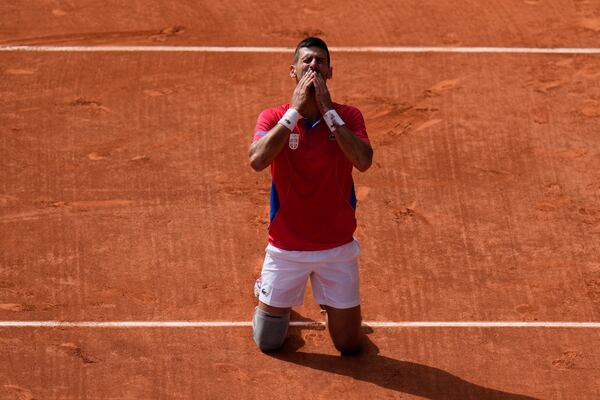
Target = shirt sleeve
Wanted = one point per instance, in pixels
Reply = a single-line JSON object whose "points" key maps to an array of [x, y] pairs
{"points": [[265, 122], [354, 120]]}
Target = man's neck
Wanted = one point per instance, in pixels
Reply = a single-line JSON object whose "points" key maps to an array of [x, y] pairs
{"points": [[312, 111]]}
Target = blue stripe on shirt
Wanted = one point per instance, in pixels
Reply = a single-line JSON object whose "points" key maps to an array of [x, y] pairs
{"points": [[274, 202]]}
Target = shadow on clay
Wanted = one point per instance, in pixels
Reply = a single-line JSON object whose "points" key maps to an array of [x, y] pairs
{"points": [[401, 376]]}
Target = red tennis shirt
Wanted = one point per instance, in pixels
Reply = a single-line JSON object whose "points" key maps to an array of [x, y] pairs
{"points": [[313, 201]]}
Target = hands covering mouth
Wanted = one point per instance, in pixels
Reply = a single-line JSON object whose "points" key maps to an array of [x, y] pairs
{"points": [[309, 70], [311, 86]]}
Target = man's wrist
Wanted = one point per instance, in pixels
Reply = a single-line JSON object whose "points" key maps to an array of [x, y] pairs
{"points": [[333, 120], [290, 118]]}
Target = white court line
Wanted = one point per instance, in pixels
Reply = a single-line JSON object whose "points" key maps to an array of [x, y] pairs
{"points": [[220, 324], [363, 49]]}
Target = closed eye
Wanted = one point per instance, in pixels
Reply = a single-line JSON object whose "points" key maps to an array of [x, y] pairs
{"points": [[308, 60]]}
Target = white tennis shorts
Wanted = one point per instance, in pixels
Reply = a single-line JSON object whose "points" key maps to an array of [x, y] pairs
{"points": [[333, 275]]}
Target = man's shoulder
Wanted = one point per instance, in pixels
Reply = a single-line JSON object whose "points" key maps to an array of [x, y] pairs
{"points": [[347, 110], [268, 118], [275, 111]]}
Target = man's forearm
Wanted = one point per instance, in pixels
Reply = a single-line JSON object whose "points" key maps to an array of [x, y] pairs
{"points": [[357, 151], [264, 151]]}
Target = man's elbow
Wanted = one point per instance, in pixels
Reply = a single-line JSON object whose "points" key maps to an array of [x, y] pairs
{"points": [[363, 167], [254, 158], [366, 162], [257, 164]]}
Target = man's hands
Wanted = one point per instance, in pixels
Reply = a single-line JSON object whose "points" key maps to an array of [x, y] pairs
{"points": [[303, 93], [322, 96], [308, 103]]}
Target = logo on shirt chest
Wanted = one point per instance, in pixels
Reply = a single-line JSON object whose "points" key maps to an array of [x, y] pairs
{"points": [[294, 140]]}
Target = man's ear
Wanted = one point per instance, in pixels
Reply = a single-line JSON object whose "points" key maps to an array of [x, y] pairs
{"points": [[330, 73], [293, 71]]}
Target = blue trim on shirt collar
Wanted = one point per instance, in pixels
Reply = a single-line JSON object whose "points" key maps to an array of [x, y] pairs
{"points": [[311, 123]]}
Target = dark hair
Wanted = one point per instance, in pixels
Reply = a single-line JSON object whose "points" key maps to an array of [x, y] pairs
{"points": [[311, 42]]}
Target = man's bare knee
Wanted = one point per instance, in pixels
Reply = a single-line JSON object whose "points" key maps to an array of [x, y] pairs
{"points": [[348, 343], [345, 329], [349, 348]]}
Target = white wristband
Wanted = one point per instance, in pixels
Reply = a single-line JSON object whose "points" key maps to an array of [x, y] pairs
{"points": [[333, 120], [290, 118]]}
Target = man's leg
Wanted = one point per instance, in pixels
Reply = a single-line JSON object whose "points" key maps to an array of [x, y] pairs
{"points": [[344, 326], [335, 283], [282, 283], [270, 326]]}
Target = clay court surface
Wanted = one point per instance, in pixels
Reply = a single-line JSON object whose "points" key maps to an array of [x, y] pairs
{"points": [[126, 195]]}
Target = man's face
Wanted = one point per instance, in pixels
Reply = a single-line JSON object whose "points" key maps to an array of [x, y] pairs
{"points": [[311, 58]]}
